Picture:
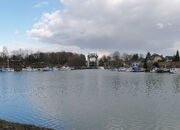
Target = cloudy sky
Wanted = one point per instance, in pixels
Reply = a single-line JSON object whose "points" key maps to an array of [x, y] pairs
{"points": [[91, 25]]}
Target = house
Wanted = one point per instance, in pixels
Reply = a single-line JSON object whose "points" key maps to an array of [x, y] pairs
{"points": [[156, 58], [169, 58]]}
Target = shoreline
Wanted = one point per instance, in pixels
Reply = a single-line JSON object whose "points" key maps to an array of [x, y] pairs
{"points": [[17, 126]]}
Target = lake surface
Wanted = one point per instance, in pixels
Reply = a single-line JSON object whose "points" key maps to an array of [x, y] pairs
{"points": [[91, 100]]}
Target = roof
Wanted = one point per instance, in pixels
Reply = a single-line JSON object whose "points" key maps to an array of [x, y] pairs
{"points": [[169, 57]]}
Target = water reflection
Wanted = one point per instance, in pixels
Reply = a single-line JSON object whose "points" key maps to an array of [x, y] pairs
{"points": [[91, 99], [176, 83]]}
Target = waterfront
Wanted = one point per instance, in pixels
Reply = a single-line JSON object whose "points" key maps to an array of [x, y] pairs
{"points": [[91, 99]]}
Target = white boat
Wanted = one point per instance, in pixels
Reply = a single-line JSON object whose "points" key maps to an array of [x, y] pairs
{"points": [[7, 70], [65, 68], [172, 70], [101, 68], [10, 70], [122, 69], [24, 69], [34, 69], [154, 70], [128, 69], [29, 69], [113, 69]]}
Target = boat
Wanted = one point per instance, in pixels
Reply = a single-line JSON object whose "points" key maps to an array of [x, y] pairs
{"points": [[34, 69], [138, 69], [162, 70], [122, 69], [166, 70], [7, 70], [172, 70], [128, 69], [64, 68], [40, 69], [29, 69], [55, 69], [113, 69], [101, 68], [10, 69], [154, 70], [48, 69]]}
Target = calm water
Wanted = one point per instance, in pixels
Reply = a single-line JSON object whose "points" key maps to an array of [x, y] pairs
{"points": [[91, 100]]}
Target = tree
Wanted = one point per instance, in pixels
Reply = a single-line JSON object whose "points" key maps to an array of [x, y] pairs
{"points": [[116, 55], [135, 57], [116, 63], [145, 64], [103, 61], [5, 53], [148, 55], [156, 64], [176, 57], [127, 57]]}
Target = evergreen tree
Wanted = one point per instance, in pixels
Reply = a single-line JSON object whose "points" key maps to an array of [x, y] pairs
{"points": [[176, 59], [148, 55], [135, 57], [145, 64]]}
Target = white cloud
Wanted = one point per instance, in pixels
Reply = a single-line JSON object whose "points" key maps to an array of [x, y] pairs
{"points": [[127, 25], [40, 4], [160, 25]]}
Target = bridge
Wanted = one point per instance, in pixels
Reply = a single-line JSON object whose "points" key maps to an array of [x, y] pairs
{"points": [[93, 61]]}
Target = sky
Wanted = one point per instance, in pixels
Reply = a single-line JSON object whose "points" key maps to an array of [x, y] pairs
{"points": [[84, 26]]}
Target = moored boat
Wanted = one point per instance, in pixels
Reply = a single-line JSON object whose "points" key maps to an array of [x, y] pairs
{"points": [[172, 70], [138, 69], [7, 70], [64, 68], [48, 69], [122, 69]]}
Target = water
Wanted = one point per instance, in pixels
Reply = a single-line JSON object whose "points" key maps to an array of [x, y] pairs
{"points": [[91, 100]]}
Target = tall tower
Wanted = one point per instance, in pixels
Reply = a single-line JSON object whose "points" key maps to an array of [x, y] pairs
{"points": [[92, 60]]}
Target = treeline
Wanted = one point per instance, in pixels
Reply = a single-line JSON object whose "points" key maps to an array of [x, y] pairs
{"points": [[58, 58], [114, 60], [22, 58]]}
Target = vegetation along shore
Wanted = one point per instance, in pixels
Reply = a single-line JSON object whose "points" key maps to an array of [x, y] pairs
{"points": [[20, 60], [16, 126]]}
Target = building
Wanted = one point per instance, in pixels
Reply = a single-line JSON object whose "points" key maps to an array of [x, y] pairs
{"points": [[93, 61], [169, 58], [156, 58]]}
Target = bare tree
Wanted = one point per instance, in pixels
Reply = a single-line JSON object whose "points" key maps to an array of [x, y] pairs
{"points": [[5, 53]]}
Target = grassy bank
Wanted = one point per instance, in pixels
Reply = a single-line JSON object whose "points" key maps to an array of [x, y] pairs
{"points": [[16, 126]]}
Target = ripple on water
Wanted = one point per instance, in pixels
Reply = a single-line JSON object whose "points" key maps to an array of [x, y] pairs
{"points": [[92, 99]]}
